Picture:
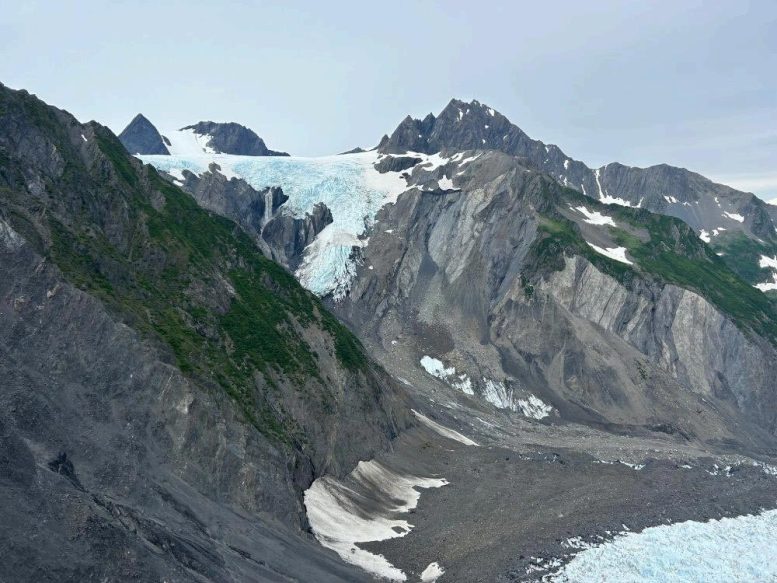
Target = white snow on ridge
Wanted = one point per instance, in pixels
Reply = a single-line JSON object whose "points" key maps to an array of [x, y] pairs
{"points": [[607, 199], [704, 236], [442, 430], [616, 253], [343, 514], [729, 549], [445, 183], [595, 217]]}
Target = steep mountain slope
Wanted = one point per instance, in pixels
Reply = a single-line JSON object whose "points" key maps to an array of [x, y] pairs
{"points": [[506, 286], [142, 137], [737, 224], [169, 391]]}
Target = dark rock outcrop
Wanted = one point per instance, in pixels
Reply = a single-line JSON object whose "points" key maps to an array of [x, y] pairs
{"points": [[233, 138], [281, 237], [288, 236], [141, 137]]}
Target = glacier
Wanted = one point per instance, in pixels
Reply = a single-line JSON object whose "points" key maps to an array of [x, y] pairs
{"points": [[348, 184], [725, 550]]}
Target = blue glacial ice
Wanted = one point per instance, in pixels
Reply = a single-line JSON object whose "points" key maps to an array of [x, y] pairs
{"points": [[349, 185], [729, 550]]}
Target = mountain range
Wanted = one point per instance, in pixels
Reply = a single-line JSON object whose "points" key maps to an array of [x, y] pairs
{"points": [[459, 356]]}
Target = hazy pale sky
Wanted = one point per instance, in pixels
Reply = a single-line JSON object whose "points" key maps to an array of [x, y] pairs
{"points": [[690, 83]]}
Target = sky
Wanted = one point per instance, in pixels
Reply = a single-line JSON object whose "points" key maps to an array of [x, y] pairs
{"points": [[689, 83]]}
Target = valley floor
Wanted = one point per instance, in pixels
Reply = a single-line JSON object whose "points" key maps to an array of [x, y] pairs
{"points": [[522, 498]]}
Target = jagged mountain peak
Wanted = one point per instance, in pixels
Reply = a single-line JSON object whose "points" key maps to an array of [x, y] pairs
{"points": [[142, 137], [720, 215]]}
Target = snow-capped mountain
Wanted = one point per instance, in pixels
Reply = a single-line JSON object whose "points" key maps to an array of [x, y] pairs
{"points": [[536, 373], [205, 137], [738, 225]]}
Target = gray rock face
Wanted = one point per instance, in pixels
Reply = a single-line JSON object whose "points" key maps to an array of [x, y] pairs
{"points": [[288, 236], [455, 276], [141, 137], [281, 237], [665, 189], [233, 138]]}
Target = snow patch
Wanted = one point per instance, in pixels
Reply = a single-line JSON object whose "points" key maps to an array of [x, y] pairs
{"points": [[734, 216], [534, 407], [187, 143], [595, 217], [704, 236], [766, 262], [616, 253], [432, 573], [445, 183], [437, 369], [671, 199], [362, 510], [770, 262], [442, 430]]}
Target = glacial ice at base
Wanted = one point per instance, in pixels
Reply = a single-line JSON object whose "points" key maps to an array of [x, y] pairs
{"points": [[349, 185], [728, 550]]}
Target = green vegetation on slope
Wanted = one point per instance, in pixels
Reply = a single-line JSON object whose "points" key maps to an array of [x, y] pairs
{"points": [[180, 275], [742, 255], [671, 253]]}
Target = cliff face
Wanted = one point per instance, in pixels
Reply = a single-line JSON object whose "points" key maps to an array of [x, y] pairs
{"points": [[162, 375], [608, 315], [280, 236]]}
